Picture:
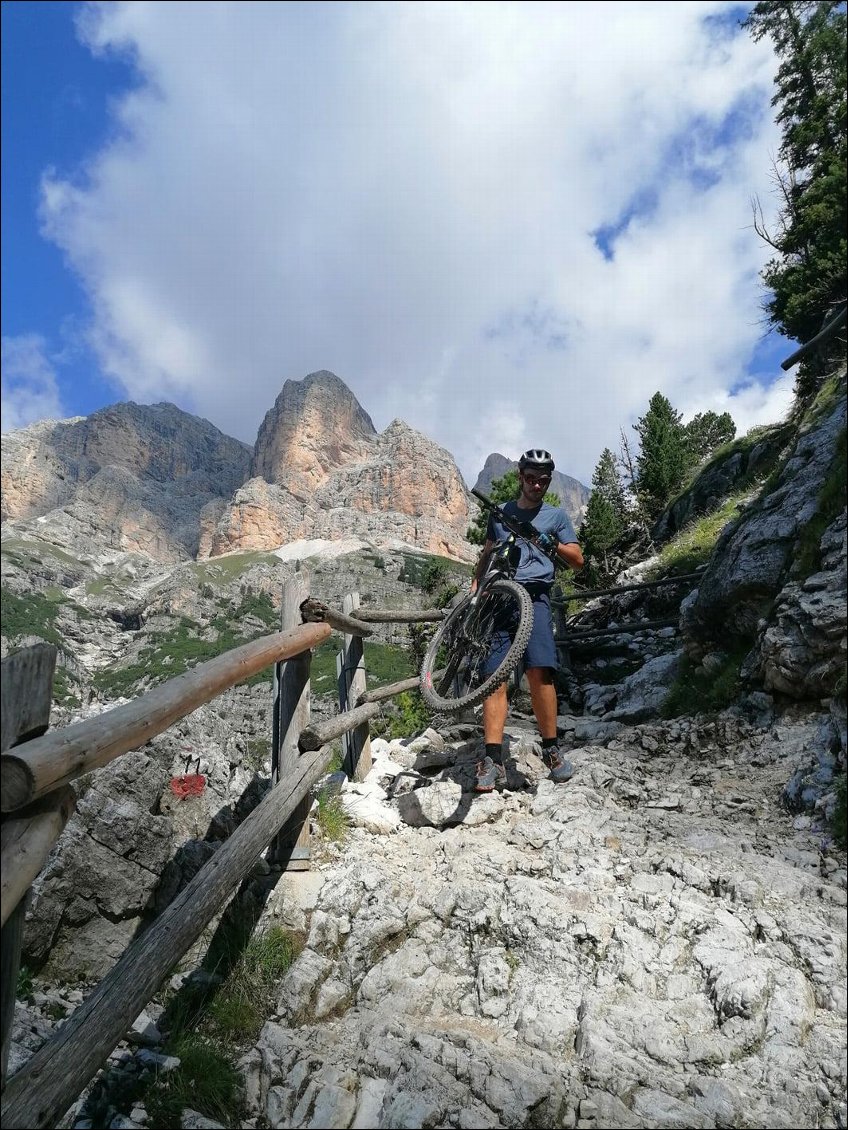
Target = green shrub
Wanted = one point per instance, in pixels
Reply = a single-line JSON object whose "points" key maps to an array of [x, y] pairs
{"points": [[206, 1081], [171, 653], [31, 615], [409, 717], [698, 691]]}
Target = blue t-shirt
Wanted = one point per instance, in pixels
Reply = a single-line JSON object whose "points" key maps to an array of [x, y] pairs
{"points": [[534, 567]]}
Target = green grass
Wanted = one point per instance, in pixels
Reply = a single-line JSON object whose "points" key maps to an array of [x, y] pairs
{"points": [[173, 652], [831, 503], [384, 663], [427, 570], [331, 818], [210, 1026], [35, 614], [35, 551], [696, 691], [825, 399], [692, 546], [740, 445], [240, 1007], [206, 1081], [224, 570]]}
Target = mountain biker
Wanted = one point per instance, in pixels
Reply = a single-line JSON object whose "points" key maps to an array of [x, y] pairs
{"points": [[536, 573]]}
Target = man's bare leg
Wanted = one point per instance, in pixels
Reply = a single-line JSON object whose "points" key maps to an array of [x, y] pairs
{"points": [[544, 699], [495, 710]]}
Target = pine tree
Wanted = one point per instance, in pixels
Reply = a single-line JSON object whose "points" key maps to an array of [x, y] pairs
{"points": [[705, 432], [809, 272], [663, 459], [605, 520]]}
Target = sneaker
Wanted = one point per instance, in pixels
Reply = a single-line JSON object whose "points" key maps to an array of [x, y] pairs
{"points": [[489, 773], [560, 769]]}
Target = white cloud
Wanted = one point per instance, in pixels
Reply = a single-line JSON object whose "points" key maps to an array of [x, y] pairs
{"points": [[30, 391], [405, 193]]}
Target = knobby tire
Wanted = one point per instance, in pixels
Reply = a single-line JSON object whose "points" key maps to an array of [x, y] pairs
{"points": [[433, 683]]}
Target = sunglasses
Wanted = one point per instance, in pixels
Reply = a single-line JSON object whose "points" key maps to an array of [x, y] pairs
{"points": [[537, 480]]}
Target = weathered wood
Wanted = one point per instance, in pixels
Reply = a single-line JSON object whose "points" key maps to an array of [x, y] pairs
{"points": [[356, 743], [44, 1088], [57, 758], [379, 694], [11, 938], [623, 630], [830, 327], [318, 734], [315, 611], [589, 594], [396, 616], [26, 692], [26, 840], [292, 846]]}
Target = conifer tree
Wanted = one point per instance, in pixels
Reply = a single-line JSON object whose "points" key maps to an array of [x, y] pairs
{"points": [[605, 520], [663, 457], [808, 274], [705, 432]]}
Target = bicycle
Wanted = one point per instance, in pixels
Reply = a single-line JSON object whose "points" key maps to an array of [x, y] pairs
{"points": [[453, 672]]}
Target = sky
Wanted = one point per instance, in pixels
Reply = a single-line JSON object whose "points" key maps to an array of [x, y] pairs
{"points": [[508, 224]]}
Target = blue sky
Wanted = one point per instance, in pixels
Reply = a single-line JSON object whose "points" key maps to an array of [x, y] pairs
{"points": [[482, 226]]}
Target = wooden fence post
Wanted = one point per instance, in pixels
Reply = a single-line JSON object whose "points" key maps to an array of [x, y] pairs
{"points": [[27, 690], [350, 666], [291, 847]]}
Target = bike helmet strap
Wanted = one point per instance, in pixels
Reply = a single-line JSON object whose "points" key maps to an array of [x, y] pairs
{"points": [[536, 457]]}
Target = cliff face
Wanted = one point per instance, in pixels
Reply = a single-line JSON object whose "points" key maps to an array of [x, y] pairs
{"points": [[134, 477], [157, 481], [320, 470], [315, 426]]}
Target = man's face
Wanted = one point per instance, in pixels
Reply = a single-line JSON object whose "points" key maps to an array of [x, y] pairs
{"points": [[534, 484]]}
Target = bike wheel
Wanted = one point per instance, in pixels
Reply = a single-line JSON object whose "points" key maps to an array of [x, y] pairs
{"points": [[453, 674]]}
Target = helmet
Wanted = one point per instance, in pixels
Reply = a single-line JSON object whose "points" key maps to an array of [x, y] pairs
{"points": [[536, 457]]}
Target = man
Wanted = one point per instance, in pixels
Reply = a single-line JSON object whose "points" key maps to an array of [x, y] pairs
{"points": [[536, 573]]}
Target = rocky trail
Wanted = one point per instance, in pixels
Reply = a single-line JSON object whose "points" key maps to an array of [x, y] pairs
{"points": [[655, 944]]}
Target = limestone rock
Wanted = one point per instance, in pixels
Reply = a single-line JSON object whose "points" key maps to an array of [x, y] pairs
{"points": [[315, 426], [132, 476], [753, 556], [802, 651]]}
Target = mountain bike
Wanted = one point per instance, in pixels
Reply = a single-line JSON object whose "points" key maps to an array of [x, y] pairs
{"points": [[456, 673]]}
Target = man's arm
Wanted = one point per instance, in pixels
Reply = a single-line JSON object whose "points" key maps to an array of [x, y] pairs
{"points": [[571, 554], [568, 550], [482, 562]]}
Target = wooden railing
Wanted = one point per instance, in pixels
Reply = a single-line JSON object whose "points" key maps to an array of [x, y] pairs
{"points": [[36, 771], [37, 768]]}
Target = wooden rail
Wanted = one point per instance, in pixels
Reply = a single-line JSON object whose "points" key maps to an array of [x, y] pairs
{"points": [[57, 758], [35, 776], [47, 1084], [37, 768]]}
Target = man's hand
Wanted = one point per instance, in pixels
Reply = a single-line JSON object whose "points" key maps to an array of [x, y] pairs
{"points": [[547, 544]]}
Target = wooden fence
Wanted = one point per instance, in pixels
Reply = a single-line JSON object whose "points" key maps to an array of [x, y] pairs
{"points": [[37, 768]]}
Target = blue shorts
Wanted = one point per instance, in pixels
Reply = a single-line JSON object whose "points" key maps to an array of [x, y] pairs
{"points": [[541, 650]]}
